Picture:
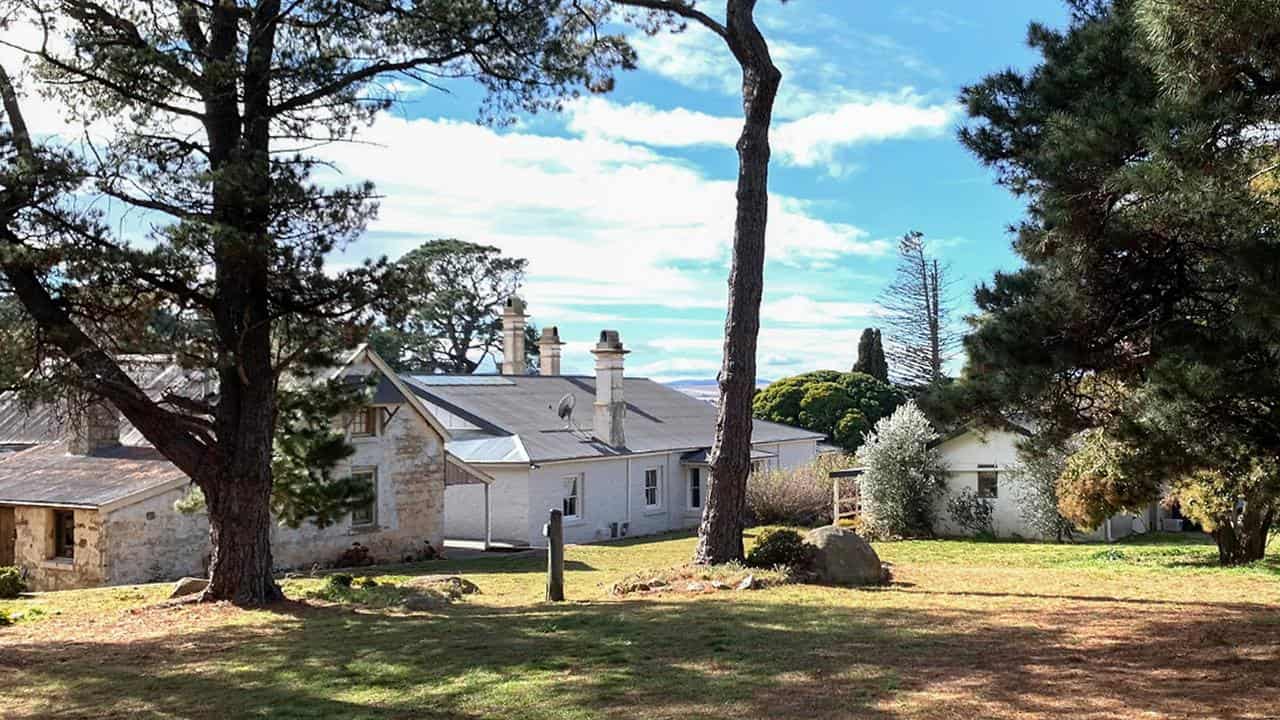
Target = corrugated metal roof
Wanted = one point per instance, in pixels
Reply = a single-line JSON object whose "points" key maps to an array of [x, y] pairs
{"points": [[659, 418], [48, 475], [29, 424]]}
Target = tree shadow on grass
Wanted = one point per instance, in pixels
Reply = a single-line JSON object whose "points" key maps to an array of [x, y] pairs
{"points": [[734, 656]]}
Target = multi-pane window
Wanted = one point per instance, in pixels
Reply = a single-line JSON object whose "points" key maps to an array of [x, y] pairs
{"points": [[364, 423], [366, 515], [988, 483], [652, 488], [695, 488], [573, 497], [64, 534]]}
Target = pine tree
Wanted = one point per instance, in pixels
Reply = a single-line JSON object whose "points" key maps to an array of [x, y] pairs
{"points": [[210, 108], [918, 312]]}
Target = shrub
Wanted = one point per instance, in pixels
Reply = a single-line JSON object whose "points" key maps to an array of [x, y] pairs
{"points": [[355, 556], [1103, 477], [904, 476], [971, 513], [11, 583], [1034, 479], [340, 580], [781, 547], [795, 496]]}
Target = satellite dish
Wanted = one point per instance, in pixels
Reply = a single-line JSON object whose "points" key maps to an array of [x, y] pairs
{"points": [[565, 408]]}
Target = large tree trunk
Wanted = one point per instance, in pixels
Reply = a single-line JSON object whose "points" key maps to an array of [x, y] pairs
{"points": [[238, 128], [720, 534], [1244, 539]]}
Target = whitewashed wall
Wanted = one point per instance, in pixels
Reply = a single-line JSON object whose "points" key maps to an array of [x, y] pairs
{"points": [[963, 455], [509, 503]]}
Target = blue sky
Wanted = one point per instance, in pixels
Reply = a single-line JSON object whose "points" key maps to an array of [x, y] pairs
{"points": [[623, 203]]}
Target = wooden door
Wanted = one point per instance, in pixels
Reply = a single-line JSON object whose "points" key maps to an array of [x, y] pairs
{"points": [[8, 536]]}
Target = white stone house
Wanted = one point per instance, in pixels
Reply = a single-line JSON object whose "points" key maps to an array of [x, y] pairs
{"points": [[90, 503], [631, 460], [979, 458]]}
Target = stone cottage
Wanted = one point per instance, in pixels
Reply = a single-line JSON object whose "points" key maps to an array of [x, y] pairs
{"points": [[87, 502]]}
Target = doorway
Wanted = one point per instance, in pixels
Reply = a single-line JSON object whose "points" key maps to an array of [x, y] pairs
{"points": [[8, 536]]}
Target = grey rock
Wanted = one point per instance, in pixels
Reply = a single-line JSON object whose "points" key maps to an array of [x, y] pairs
{"points": [[719, 585], [843, 558], [188, 586], [452, 586], [747, 583], [695, 587]]}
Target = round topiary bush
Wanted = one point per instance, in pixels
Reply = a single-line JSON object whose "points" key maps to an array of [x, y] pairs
{"points": [[781, 547], [11, 584]]}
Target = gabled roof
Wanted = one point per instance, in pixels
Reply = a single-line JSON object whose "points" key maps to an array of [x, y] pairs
{"points": [[48, 475], [523, 407], [978, 426]]}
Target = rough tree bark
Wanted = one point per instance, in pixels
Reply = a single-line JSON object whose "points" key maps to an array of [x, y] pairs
{"points": [[720, 534], [1244, 540]]}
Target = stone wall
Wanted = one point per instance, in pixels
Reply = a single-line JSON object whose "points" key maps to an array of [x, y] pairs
{"points": [[34, 550], [408, 457], [150, 542]]}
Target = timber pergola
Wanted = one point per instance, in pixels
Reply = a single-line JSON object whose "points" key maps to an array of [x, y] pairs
{"points": [[846, 497]]}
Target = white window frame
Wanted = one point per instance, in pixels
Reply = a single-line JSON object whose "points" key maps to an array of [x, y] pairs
{"points": [[702, 488], [372, 472], [657, 487], [579, 481]]}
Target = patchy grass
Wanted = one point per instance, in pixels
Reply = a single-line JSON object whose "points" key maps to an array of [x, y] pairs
{"points": [[990, 630]]}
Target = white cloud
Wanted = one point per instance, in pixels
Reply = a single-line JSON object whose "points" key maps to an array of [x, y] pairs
{"points": [[802, 310], [601, 221], [809, 141]]}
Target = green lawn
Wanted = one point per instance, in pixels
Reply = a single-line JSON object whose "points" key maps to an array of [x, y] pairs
{"points": [[969, 630]]}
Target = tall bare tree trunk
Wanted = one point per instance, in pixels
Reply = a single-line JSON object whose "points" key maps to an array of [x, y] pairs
{"points": [[720, 534]]}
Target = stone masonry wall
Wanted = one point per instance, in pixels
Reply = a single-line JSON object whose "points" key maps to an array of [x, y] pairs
{"points": [[34, 550], [151, 542], [408, 456]]}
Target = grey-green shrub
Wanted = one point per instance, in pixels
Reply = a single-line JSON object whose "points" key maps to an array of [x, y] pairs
{"points": [[904, 476], [11, 584]]}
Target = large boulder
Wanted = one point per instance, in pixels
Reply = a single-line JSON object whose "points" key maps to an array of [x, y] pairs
{"points": [[188, 586], [843, 558]]}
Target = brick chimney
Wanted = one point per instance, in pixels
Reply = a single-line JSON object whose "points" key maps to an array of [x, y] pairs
{"points": [[610, 406], [514, 321], [549, 351], [94, 427]]}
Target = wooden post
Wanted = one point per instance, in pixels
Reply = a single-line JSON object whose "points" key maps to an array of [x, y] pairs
{"points": [[555, 556], [835, 500], [488, 521]]}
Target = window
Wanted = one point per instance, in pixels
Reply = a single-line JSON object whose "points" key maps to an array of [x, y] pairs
{"points": [[365, 422], [573, 497], [652, 488], [988, 484], [366, 515], [695, 488], [64, 534]]}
